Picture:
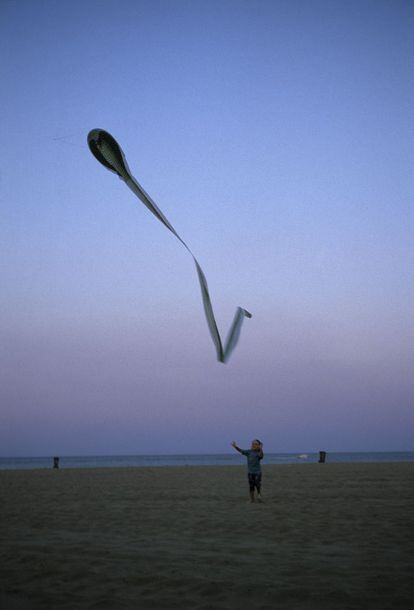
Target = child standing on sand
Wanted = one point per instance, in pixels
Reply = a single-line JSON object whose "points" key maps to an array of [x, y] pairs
{"points": [[254, 471]]}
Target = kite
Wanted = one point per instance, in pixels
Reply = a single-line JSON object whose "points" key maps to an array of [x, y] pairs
{"points": [[107, 151]]}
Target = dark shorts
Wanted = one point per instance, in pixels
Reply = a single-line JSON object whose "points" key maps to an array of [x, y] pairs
{"points": [[255, 480]]}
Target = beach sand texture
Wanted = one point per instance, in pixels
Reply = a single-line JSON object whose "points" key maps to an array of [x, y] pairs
{"points": [[329, 536]]}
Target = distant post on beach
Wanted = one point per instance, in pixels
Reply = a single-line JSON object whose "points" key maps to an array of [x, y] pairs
{"points": [[322, 457], [55, 462]]}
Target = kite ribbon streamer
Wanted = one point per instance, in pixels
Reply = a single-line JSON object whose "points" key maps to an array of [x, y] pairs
{"points": [[108, 152]]}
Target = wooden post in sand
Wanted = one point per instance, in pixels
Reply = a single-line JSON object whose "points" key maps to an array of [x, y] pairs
{"points": [[322, 457], [55, 462]]}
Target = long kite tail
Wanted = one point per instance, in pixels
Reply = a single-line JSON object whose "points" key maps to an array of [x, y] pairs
{"points": [[107, 151]]}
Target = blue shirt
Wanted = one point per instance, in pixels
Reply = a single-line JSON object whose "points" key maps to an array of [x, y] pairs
{"points": [[253, 460]]}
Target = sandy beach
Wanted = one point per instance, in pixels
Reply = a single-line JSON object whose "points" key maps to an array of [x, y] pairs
{"points": [[328, 536]]}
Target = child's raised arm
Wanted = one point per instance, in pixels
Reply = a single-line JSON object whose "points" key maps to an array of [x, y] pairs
{"points": [[236, 447]]}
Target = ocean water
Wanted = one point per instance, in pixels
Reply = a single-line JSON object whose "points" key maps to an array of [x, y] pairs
{"points": [[234, 459]]}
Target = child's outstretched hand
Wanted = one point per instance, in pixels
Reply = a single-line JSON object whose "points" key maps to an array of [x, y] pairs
{"points": [[233, 444]]}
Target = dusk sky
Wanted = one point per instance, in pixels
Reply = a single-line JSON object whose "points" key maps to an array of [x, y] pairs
{"points": [[277, 138]]}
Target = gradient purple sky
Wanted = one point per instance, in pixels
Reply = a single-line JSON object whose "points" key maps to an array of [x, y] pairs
{"points": [[276, 136]]}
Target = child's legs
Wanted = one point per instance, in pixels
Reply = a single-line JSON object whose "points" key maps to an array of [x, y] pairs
{"points": [[255, 481]]}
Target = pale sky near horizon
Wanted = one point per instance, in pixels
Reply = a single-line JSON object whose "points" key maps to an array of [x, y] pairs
{"points": [[277, 139]]}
